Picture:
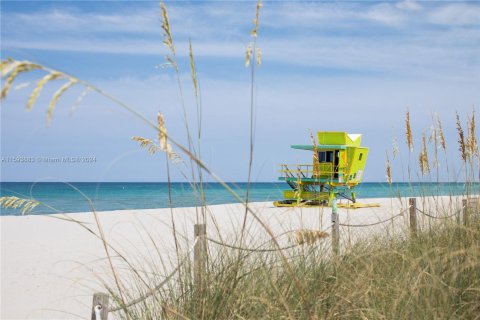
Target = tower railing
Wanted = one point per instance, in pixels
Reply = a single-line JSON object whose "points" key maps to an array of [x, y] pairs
{"points": [[308, 171]]}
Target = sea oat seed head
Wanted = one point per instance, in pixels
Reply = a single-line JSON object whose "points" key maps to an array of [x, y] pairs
{"points": [[8, 65], [248, 54], [423, 157], [167, 35], [388, 170], [17, 68], [471, 143], [40, 84], [146, 143], [193, 71], [461, 139], [259, 57], [256, 20], [440, 134], [56, 97], [15, 203], [409, 132]]}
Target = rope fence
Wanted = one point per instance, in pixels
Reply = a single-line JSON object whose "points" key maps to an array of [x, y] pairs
{"points": [[100, 309], [375, 223], [251, 249], [442, 217]]}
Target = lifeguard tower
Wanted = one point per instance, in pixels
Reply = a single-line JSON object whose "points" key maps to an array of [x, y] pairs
{"points": [[337, 168]]}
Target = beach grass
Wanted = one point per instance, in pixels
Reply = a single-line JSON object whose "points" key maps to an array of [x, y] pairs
{"points": [[434, 275]]}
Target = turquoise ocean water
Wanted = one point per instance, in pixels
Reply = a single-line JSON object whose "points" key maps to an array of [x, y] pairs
{"points": [[63, 198]]}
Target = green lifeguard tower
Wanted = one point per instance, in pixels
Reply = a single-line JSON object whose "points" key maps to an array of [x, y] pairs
{"points": [[337, 168]]}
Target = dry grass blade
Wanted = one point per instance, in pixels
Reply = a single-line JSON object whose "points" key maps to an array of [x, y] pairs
{"points": [[56, 96], [423, 157], [461, 139], [13, 202], [409, 132], [17, 68], [40, 84], [309, 237]]}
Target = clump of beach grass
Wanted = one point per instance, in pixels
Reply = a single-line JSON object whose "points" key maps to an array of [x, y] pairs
{"points": [[431, 276]]}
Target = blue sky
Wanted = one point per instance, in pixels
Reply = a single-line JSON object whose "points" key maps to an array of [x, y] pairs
{"points": [[343, 66]]}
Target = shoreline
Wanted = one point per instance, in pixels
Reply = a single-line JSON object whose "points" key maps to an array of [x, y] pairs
{"points": [[51, 264]]}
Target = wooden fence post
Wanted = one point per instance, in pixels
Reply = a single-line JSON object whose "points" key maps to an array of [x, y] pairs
{"points": [[466, 212], [335, 229], [100, 299], [413, 216], [199, 255]]}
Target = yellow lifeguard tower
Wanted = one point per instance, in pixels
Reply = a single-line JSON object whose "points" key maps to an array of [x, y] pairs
{"points": [[337, 168]]}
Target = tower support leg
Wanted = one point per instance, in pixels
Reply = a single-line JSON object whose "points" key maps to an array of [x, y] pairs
{"points": [[354, 196], [299, 192], [331, 196]]}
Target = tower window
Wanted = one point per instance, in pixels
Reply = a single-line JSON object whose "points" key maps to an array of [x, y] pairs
{"points": [[325, 156], [360, 157]]}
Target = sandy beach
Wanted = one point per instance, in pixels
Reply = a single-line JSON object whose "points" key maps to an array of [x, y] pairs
{"points": [[50, 267]]}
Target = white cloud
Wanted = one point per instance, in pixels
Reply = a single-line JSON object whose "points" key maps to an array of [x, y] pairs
{"points": [[293, 35], [385, 13], [449, 56], [144, 21], [317, 15], [185, 21], [410, 5], [456, 14]]}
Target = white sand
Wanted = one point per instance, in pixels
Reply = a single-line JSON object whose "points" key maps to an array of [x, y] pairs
{"points": [[50, 267]]}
